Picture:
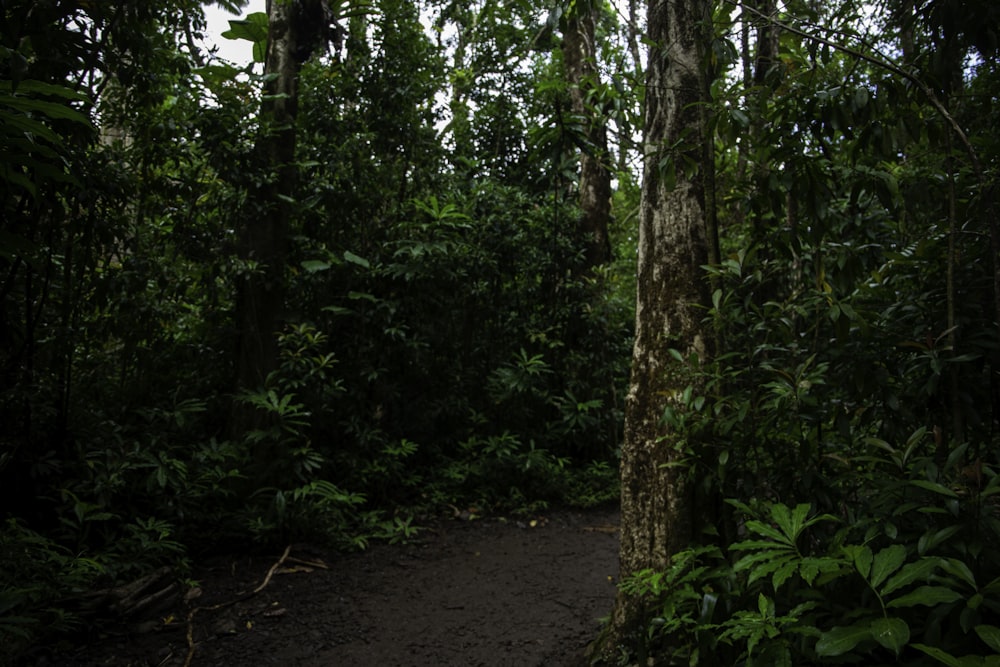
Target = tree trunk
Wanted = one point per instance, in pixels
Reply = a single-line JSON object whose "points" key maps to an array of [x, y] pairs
{"points": [[765, 80], [263, 244], [580, 58], [461, 81], [658, 508]]}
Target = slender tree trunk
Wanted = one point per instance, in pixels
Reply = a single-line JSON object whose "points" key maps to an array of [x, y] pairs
{"points": [[580, 58], [955, 400], [906, 38], [767, 42], [461, 80], [633, 34], [659, 515], [991, 210], [264, 236], [766, 58]]}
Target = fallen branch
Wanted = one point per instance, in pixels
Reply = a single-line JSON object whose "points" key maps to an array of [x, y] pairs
{"points": [[132, 601], [318, 564], [223, 605], [608, 529]]}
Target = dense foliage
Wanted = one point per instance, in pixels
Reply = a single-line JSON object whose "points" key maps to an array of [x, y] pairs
{"points": [[443, 348], [445, 345], [846, 448]]}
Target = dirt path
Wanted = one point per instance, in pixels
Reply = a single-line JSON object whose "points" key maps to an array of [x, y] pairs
{"points": [[486, 592]]}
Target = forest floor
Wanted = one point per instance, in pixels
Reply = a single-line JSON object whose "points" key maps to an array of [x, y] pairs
{"points": [[489, 591]]}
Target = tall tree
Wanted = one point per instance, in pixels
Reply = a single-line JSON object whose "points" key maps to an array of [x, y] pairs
{"points": [[580, 58], [657, 501], [296, 28]]}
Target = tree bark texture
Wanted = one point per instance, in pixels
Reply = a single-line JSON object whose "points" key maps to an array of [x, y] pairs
{"points": [[580, 59], [264, 236], [658, 508], [767, 41], [296, 28]]}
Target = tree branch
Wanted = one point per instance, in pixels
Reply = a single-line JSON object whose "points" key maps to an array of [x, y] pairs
{"points": [[885, 64]]}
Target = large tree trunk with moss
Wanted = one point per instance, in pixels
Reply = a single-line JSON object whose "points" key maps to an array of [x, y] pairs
{"points": [[580, 59], [672, 341]]}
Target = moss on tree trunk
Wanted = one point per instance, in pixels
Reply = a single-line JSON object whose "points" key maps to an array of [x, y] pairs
{"points": [[658, 508]]}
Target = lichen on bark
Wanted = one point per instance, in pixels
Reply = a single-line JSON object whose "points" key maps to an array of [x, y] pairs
{"points": [[658, 507]]}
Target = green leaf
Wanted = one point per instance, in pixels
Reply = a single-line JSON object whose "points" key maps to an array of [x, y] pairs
{"points": [[759, 544], [716, 299], [668, 173], [217, 74], [993, 587], [863, 561], [14, 178], [934, 487], [337, 310], [861, 96], [939, 655], [41, 88], [839, 641], [783, 573], [810, 567], [765, 606], [931, 539], [911, 572], [30, 127], [768, 531], [989, 634], [750, 560], [314, 265], [892, 633], [791, 523], [886, 562], [964, 661], [771, 565], [355, 259], [881, 444], [50, 109], [926, 595], [253, 29], [957, 568]]}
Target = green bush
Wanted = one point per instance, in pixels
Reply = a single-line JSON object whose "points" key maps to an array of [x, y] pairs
{"points": [[37, 575], [906, 575]]}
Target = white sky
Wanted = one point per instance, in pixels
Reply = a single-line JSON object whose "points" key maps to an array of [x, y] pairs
{"points": [[237, 51]]}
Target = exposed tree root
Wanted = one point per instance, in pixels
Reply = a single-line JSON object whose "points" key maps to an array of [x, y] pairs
{"points": [[229, 603]]}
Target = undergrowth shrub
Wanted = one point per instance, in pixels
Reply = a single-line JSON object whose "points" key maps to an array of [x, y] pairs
{"points": [[903, 573], [471, 352], [36, 576]]}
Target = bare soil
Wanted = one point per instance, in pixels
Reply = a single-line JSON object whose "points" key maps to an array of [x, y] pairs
{"points": [[490, 592]]}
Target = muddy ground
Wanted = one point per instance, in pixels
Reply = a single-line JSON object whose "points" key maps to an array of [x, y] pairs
{"points": [[491, 591]]}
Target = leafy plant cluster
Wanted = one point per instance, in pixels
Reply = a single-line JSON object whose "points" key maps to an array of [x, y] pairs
{"points": [[441, 343], [910, 582], [476, 353], [844, 446]]}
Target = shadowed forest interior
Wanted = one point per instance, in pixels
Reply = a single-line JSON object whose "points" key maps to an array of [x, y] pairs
{"points": [[388, 273]]}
